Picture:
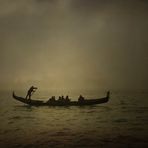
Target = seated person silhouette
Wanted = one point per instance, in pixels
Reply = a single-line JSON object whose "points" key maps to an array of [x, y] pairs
{"points": [[30, 92], [52, 99], [59, 98], [81, 98], [67, 99], [62, 98]]}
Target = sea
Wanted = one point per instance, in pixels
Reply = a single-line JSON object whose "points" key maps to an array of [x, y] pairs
{"points": [[120, 123]]}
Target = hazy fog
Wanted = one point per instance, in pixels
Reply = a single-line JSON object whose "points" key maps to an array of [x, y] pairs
{"points": [[74, 44]]}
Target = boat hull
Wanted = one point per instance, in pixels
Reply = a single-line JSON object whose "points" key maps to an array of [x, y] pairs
{"points": [[64, 103]]}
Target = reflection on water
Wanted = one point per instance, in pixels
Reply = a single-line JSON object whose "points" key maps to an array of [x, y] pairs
{"points": [[122, 122]]}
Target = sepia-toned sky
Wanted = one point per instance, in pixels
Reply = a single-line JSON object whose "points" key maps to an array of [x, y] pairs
{"points": [[74, 44]]}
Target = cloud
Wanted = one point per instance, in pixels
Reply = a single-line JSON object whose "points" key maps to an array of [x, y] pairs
{"points": [[73, 43]]}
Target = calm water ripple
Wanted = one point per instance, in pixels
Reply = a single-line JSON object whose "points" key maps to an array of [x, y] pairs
{"points": [[122, 122]]}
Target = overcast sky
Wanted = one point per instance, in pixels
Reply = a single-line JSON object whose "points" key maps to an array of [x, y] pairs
{"points": [[89, 44]]}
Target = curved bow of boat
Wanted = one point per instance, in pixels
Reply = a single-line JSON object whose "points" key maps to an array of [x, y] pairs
{"points": [[28, 101], [108, 94], [13, 94], [19, 98]]}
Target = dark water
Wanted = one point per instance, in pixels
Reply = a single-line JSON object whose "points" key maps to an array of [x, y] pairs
{"points": [[122, 122]]}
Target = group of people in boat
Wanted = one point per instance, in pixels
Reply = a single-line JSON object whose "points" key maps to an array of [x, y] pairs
{"points": [[61, 99], [32, 89], [64, 100]]}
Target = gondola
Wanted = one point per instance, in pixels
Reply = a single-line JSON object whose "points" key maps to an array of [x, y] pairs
{"points": [[84, 102]]}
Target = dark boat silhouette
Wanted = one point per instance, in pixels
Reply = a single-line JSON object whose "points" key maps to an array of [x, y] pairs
{"points": [[62, 103]]}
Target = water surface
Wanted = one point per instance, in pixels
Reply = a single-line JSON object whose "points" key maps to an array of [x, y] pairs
{"points": [[122, 122]]}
